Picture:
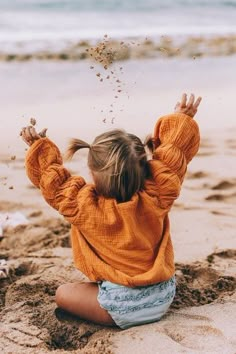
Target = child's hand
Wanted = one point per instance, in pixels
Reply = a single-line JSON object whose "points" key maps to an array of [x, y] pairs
{"points": [[190, 107], [29, 134]]}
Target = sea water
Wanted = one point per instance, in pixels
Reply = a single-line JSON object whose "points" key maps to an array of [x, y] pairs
{"points": [[43, 24]]}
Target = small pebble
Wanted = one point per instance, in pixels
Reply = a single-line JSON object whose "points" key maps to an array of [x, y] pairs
{"points": [[33, 121]]}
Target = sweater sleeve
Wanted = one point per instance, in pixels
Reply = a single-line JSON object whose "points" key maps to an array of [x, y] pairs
{"points": [[45, 170], [176, 139]]}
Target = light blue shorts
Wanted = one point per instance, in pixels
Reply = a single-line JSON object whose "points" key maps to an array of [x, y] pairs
{"points": [[135, 306]]}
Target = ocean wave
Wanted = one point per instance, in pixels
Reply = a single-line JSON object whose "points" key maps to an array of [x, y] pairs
{"points": [[112, 5]]}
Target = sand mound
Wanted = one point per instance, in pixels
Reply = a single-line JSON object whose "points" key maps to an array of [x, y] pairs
{"points": [[46, 234], [200, 284], [28, 308]]}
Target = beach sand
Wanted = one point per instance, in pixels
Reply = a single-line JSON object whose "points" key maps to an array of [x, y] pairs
{"points": [[68, 98]]}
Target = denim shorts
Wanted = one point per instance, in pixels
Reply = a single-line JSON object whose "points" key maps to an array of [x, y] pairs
{"points": [[136, 306]]}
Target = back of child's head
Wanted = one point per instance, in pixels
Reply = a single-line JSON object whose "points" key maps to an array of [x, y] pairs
{"points": [[117, 161]]}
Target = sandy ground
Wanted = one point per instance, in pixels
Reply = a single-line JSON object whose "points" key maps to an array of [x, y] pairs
{"points": [[190, 46], [201, 319]]}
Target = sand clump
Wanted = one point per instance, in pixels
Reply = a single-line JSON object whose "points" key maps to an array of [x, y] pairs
{"points": [[33, 121], [105, 55]]}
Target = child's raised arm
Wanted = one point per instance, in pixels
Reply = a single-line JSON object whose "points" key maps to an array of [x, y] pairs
{"points": [[45, 169], [176, 140]]}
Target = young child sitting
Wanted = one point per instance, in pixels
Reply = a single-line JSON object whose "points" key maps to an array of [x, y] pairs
{"points": [[119, 223]]}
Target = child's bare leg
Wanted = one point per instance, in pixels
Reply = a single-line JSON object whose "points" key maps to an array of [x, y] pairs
{"points": [[81, 299]]}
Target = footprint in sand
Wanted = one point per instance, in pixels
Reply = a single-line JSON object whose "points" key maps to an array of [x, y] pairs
{"points": [[217, 212], [221, 186], [203, 153], [225, 184], [206, 143], [206, 148], [196, 175], [200, 284], [231, 143], [222, 197], [35, 214], [229, 253]]}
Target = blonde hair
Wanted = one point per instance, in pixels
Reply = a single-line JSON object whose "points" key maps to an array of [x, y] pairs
{"points": [[118, 163]]}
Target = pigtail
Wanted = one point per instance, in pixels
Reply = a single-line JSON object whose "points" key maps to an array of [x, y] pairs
{"points": [[75, 145], [151, 143], [148, 142]]}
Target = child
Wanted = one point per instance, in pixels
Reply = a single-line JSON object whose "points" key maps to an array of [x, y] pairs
{"points": [[119, 224]]}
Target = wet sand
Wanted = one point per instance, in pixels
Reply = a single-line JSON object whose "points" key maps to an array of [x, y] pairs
{"points": [[192, 46], [70, 99]]}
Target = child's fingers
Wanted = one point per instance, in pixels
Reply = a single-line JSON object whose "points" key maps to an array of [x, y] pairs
{"points": [[183, 100], [177, 105], [191, 101], [28, 133], [33, 133], [198, 101], [23, 135], [26, 141], [43, 132]]}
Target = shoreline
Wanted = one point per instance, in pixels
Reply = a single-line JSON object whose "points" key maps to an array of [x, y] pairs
{"points": [[194, 46]]}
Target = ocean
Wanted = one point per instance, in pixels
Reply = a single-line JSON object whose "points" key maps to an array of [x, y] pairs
{"points": [[42, 24]]}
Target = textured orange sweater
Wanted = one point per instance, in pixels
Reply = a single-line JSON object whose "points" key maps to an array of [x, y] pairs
{"points": [[126, 243]]}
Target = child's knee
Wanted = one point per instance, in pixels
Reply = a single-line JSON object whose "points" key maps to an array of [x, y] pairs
{"points": [[62, 295]]}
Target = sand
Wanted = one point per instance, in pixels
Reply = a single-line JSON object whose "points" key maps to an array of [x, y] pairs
{"points": [[190, 46], [203, 219]]}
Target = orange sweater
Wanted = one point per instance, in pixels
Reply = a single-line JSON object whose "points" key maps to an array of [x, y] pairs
{"points": [[126, 243]]}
